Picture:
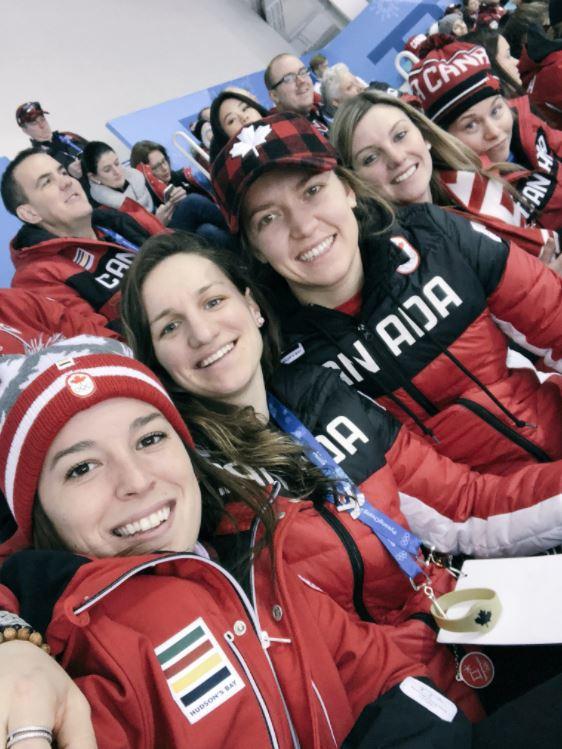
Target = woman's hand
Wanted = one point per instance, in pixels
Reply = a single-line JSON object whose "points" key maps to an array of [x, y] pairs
{"points": [[36, 691], [75, 169], [176, 196], [164, 212]]}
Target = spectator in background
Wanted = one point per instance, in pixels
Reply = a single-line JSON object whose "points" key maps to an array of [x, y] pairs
{"points": [[65, 147], [413, 43], [339, 84], [117, 186], [290, 88], [195, 210], [452, 24], [490, 13], [516, 27], [201, 128], [464, 97], [555, 18], [502, 62], [541, 69], [318, 65], [470, 13], [66, 250], [230, 112]]}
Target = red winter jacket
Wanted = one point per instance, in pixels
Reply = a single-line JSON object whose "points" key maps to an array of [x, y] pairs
{"points": [[29, 321], [540, 65], [313, 549], [446, 504], [82, 274], [170, 652], [147, 220], [537, 147]]}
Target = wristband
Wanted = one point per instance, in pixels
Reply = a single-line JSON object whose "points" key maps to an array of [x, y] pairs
{"points": [[13, 627], [482, 616]]}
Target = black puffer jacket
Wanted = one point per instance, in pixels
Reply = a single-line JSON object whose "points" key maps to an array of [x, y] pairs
{"points": [[430, 341]]}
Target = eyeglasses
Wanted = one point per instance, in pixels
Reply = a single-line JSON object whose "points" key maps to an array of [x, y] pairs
{"points": [[159, 165], [292, 77]]}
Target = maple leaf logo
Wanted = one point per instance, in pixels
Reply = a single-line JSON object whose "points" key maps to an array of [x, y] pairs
{"points": [[249, 139], [483, 618]]}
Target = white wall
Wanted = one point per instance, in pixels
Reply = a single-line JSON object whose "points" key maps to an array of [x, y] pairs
{"points": [[88, 62]]}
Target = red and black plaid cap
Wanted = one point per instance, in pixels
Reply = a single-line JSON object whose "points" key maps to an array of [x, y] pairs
{"points": [[283, 139], [451, 78]]}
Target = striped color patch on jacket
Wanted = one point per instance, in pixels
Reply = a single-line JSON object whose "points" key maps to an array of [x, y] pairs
{"points": [[198, 672]]}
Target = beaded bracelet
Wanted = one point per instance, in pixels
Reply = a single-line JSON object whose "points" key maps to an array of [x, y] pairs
{"points": [[12, 627]]}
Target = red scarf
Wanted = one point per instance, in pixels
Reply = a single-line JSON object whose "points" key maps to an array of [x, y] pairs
{"points": [[489, 203]]}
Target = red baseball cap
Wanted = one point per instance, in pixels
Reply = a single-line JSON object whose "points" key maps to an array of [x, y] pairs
{"points": [[414, 43], [29, 112]]}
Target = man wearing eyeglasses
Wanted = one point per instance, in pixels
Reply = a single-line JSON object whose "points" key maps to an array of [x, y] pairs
{"points": [[291, 90], [65, 147]]}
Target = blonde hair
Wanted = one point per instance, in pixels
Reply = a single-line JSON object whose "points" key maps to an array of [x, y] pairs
{"points": [[448, 153]]}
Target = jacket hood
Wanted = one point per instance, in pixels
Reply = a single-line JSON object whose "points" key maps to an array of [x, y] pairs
{"points": [[539, 45]]}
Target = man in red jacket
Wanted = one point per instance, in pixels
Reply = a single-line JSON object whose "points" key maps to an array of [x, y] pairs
{"points": [[65, 249]]}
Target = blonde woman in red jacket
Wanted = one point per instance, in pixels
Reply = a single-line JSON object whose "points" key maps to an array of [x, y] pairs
{"points": [[458, 91]]}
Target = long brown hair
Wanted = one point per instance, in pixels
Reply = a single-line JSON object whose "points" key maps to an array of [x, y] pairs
{"points": [[229, 433], [447, 152]]}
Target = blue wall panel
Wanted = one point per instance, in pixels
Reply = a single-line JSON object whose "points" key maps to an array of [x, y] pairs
{"points": [[368, 45], [9, 226]]}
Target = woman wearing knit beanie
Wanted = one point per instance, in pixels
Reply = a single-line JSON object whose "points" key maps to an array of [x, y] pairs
{"points": [[449, 174], [458, 91], [98, 470], [452, 24]]}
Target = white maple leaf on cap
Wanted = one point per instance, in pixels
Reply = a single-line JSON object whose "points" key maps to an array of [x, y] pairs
{"points": [[249, 139]]}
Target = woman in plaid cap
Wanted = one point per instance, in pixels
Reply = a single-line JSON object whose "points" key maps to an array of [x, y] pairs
{"points": [[415, 315]]}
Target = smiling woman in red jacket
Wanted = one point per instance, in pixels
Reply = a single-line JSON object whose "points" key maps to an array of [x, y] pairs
{"points": [[167, 646], [195, 318], [458, 91], [415, 314]]}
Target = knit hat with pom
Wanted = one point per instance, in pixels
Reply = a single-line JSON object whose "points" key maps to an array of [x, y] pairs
{"points": [[451, 78], [41, 392]]}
